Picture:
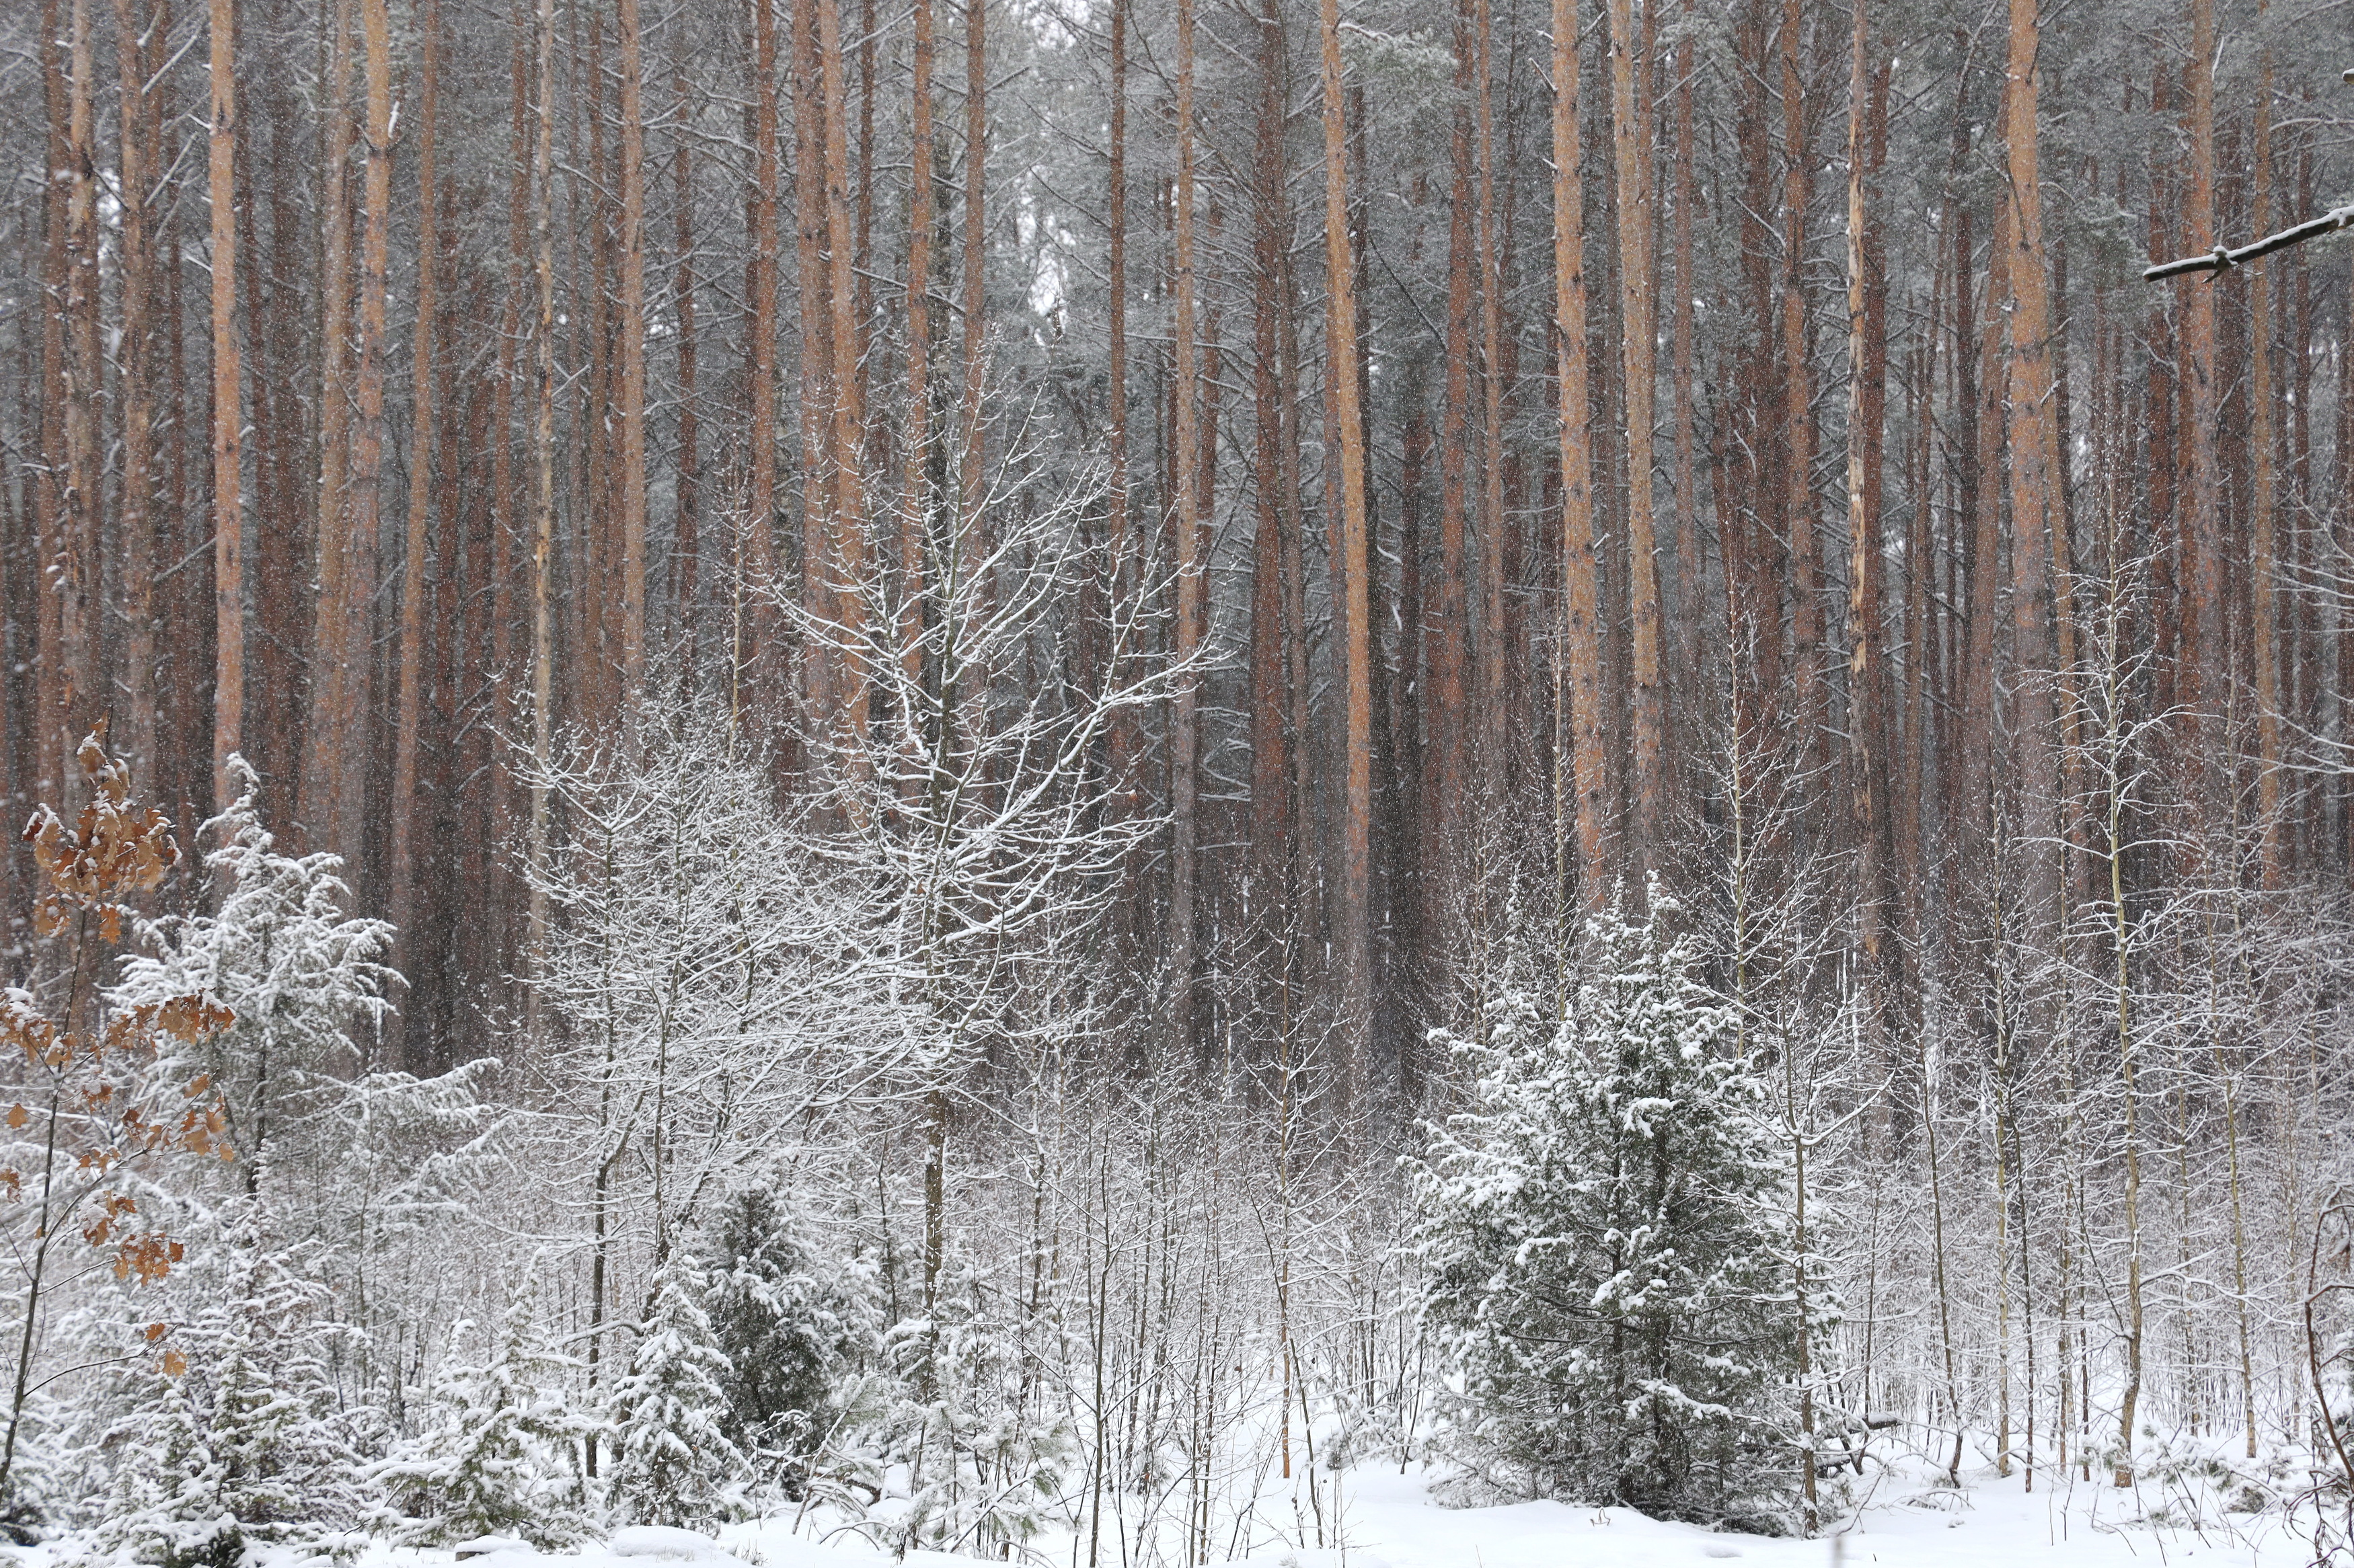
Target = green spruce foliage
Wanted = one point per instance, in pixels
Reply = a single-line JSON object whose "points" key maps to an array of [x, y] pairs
{"points": [[1606, 1236], [674, 1463], [788, 1327], [500, 1453]]}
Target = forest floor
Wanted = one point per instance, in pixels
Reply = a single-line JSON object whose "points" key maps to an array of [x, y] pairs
{"points": [[1909, 1522], [1909, 1519]]}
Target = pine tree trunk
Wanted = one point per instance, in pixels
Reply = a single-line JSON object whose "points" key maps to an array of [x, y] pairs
{"points": [[812, 109], [415, 586], [80, 577], [1983, 546], [629, 408], [972, 480], [755, 574], [2264, 563], [1637, 294], [505, 489], [2200, 685], [1121, 743], [915, 483], [1867, 370], [2036, 515], [686, 546], [1351, 915], [52, 546], [1580, 769], [1797, 401], [135, 514], [1271, 825], [1450, 657], [1490, 756], [1684, 610], [352, 740], [1184, 736], [846, 532], [330, 635], [543, 523], [228, 412]]}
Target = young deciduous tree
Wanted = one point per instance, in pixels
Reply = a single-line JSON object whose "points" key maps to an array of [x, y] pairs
{"points": [[977, 809], [95, 1113]]}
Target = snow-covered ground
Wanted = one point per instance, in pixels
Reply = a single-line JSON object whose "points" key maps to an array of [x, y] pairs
{"points": [[1390, 1520], [1393, 1523]]}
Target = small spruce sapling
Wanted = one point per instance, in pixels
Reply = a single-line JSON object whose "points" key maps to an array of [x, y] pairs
{"points": [[250, 1443], [786, 1327], [500, 1450], [673, 1462], [162, 1503], [971, 1465], [298, 972], [1605, 1235]]}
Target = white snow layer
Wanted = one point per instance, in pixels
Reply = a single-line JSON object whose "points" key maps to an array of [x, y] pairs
{"points": [[1390, 1520]]}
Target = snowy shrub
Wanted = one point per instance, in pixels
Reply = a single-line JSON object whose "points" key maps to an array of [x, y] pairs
{"points": [[48, 1477], [98, 1114], [235, 1434], [343, 1161], [500, 1452], [974, 1462], [164, 1503], [786, 1324], [673, 1462], [1605, 1239], [279, 950]]}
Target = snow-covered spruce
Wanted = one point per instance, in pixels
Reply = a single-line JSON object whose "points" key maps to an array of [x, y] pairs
{"points": [[969, 1464], [234, 1435], [788, 1328], [1606, 1241], [280, 951], [673, 1462], [499, 1454]]}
